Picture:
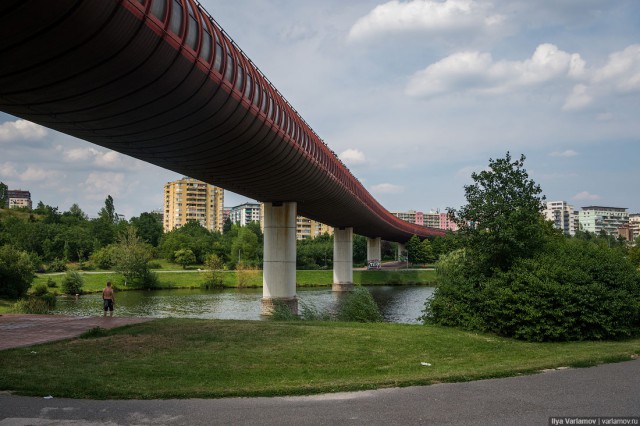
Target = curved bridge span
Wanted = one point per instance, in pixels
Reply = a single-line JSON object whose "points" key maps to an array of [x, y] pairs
{"points": [[159, 80]]}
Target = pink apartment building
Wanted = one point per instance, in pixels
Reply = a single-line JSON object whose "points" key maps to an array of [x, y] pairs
{"points": [[446, 223]]}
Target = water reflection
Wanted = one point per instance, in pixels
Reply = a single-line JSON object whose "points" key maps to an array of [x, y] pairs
{"points": [[397, 303]]}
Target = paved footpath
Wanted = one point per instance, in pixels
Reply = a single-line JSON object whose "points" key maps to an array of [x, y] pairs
{"points": [[605, 391], [26, 330]]}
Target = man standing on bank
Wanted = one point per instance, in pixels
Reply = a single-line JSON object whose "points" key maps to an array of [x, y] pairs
{"points": [[108, 298]]}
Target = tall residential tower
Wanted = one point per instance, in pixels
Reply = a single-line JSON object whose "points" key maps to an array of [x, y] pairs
{"points": [[188, 199]]}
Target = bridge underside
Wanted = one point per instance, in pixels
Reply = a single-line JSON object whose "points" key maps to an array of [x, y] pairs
{"points": [[104, 73]]}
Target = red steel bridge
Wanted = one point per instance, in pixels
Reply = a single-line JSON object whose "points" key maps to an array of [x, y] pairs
{"points": [[159, 80]]}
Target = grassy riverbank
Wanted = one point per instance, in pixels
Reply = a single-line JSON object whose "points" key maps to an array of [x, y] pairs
{"points": [[182, 358], [95, 281]]}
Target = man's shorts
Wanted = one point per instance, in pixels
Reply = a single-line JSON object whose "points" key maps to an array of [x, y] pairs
{"points": [[108, 304]]}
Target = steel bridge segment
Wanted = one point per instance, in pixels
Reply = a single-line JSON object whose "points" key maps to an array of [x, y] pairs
{"points": [[160, 80]]}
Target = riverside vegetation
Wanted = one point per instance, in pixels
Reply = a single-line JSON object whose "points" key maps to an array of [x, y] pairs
{"points": [[506, 275], [44, 240], [516, 276]]}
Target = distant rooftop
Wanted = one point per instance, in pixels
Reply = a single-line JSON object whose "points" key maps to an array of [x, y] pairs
{"points": [[605, 208]]}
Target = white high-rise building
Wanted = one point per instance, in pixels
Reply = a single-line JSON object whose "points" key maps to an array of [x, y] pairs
{"points": [[634, 225], [596, 219], [245, 213], [562, 215]]}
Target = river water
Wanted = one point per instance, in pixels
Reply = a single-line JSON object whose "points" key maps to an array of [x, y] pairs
{"points": [[401, 304]]}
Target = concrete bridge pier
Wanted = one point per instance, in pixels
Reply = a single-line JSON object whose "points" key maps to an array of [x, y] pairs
{"points": [[279, 269], [374, 249], [342, 259]]}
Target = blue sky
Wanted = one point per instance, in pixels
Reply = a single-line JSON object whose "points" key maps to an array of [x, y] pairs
{"points": [[413, 95]]}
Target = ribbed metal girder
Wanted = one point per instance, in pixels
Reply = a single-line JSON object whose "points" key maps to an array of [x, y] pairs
{"points": [[131, 77]]}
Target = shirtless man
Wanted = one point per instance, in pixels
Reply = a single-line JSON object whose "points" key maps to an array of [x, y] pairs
{"points": [[108, 299]]}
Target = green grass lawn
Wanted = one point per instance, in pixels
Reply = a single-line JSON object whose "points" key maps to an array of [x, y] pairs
{"points": [[184, 358], [96, 281], [6, 305]]}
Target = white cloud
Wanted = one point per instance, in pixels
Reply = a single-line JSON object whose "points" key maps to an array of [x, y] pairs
{"points": [[425, 16], [353, 157], [622, 70], [8, 170], [586, 196], [578, 99], [620, 75], [477, 72], [21, 130], [387, 188], [105, 159], [100, 184], [565, 153], [39, 174]]}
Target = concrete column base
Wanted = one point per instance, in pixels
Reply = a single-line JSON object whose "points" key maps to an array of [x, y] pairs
{"points": [[342, 287], [269, 304]]}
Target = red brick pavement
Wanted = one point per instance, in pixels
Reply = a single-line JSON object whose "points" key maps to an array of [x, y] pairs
{"points": [[18, 330]]}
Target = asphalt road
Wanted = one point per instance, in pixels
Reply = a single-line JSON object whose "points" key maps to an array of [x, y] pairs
{"points": [[606, 391]]}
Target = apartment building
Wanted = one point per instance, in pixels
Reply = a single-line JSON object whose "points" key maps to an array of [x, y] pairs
{"points": [[19, 198], [562, 215], [446, 223], [596, 219], [245, 213], [308, 228], [188, 199], [410, 216], [431, 220], [634, 225]]}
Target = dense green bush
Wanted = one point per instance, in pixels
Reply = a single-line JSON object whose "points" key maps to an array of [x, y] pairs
{"points": [[50, 299], [356, 306], [57, 265], [359, 306], [573, 290], [72, 283], [104, 258], [40, 289], [16, 272], [32, 305]]}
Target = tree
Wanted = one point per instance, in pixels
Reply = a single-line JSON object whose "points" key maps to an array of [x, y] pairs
{"points": [[246, 248], [72, 283], [132, 259], [427, 251], [185, 257], [634, 254], [315, 253], [50, 213], [16, 272], [502, 218], [226, 226], [416, 251], [75, 215], [191, 236], [149, 227], [4, 200], [359, 249], [518, 277], [214, 264], [108, 212]]}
